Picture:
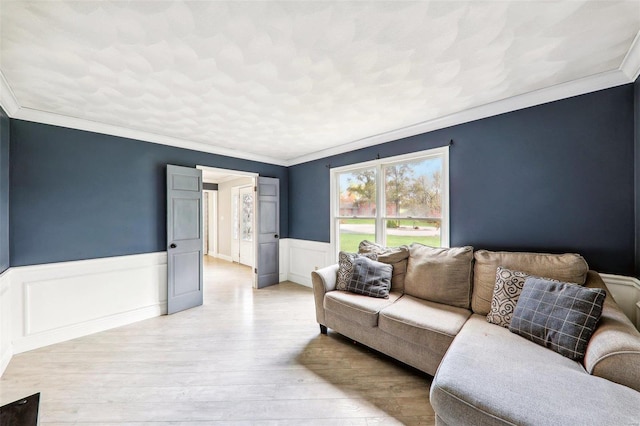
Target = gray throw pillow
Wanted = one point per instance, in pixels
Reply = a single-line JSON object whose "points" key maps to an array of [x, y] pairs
{"points": [[370, 278], [345, 267], [559, 316], [394, 256], [506, 294]]}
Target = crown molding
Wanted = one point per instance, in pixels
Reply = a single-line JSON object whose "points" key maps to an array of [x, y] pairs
{"points": [[631, 62], [549, 94], [43, 117], [627, 73]]}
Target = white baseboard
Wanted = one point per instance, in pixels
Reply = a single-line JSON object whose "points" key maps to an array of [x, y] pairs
{"points": [[60, 301], [626, 293], [6, 348], [222, 256], [301, 257]]}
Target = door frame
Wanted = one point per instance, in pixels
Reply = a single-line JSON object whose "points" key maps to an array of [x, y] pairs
{"points": [[212, 224], [239, 174], [236, 190]]}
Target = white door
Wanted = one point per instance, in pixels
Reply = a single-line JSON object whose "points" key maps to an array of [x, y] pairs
{"points": [[246, 210], [184, 238]]}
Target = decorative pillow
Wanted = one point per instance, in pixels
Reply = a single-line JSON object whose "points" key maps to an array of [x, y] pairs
{"points": [[345, 267], [559, 316], [370, 277], [394, 256], [440, 275], [506, 294]]}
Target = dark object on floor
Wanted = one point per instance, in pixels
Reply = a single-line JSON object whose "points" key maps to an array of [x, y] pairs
{"points": [[23, 412]]}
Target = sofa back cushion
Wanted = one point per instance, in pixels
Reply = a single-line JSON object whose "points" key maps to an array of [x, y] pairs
{"points": [[394, 256], [567, 267], [440, 275]]}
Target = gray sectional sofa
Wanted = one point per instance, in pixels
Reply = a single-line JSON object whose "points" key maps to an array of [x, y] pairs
{"points": [[483, 373]]}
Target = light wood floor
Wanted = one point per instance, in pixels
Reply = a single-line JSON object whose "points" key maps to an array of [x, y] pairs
{"points": [[245, 357]]}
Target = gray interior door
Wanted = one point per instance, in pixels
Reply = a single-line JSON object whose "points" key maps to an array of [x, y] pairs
{"points": [[184, 238], [268, 231]]}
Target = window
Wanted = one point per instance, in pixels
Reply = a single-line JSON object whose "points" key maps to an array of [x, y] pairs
{"points": [[392, 201]]}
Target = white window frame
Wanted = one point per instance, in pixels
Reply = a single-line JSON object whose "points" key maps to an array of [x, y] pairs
{"points": [[379, 218]]}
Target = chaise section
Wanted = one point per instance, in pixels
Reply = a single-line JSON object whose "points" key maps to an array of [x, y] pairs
{"points": [[491, 376], [425, 323], [356, 307], [614, 349]]}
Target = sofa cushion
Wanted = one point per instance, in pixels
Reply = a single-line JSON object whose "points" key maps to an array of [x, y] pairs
{"points": [[356, 307], [370, 277], [394, 256], [423, 322], [505, 295], [569, 267], [559, 316], [440, 275], [345, 267], [490, 376]]}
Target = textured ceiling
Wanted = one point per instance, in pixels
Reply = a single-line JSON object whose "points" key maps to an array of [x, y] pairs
{"points": [[285, 79]]}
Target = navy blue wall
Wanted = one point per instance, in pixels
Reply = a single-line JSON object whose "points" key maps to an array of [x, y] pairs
{"points": [[4, 191], [79, 195], [556, 177]]}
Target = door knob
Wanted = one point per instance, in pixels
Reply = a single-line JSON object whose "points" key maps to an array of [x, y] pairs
{"points": [[276, 236], [173, 246]]}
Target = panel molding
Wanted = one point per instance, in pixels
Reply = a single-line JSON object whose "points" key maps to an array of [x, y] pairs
{"points": [[304, 256], [6, 348], [56, 302]]}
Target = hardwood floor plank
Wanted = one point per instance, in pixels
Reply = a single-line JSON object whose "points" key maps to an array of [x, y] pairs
{"points": [[246, 357]]}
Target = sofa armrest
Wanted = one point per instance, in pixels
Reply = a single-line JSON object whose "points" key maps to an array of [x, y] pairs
{"points": [[614, 349], [323, 280]]}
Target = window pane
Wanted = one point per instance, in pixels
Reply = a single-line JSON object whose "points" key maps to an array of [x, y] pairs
{"points": [[352, 231], [358, 193], [407, 231], [414, 189]]}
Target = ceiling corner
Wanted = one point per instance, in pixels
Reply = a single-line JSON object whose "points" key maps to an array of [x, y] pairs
{"points": [[8, 101], [631, 62]]}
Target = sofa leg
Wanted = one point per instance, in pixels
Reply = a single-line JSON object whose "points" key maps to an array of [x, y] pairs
{"points": [[323, 329]]}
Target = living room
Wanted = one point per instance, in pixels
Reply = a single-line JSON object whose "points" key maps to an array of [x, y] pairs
{"points": [[540, 159]]}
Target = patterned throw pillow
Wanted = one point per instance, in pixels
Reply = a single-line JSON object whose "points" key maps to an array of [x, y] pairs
{"points": [[370, 278], [505, 295], [559, 316], [345, 267]]}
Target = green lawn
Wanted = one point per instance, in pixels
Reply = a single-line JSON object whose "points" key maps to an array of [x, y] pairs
{"points": [[350, 242]]}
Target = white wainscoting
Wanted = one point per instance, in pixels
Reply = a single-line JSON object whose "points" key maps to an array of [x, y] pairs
{"points": [[626, 293], [6, 350], [45, 304], [300, 257], [60, 301]]}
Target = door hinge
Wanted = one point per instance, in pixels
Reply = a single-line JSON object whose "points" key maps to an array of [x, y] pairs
{"points": [[255, 270], [255, 189]]}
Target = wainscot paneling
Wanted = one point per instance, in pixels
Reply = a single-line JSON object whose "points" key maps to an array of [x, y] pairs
{"points": [[303, 257], [61, 301], [6, 351], [626, 293]]}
